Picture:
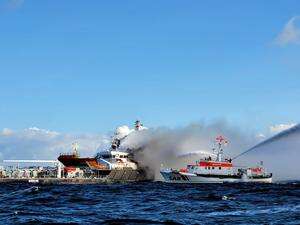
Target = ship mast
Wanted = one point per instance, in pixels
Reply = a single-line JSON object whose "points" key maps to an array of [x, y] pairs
{"points": [[75, 149], [138, 125], [220, 141]]}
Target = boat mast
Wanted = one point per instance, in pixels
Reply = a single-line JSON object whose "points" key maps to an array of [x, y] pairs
{"points": [[138, 125], [75, 149], [221, 141]]}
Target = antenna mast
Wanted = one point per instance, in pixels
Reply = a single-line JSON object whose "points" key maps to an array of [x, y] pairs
{"points": [[75, 149], [220, 141]]}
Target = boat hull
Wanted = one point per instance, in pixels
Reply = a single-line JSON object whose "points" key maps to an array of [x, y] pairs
{"points": [[74, 161], [171, 176], [258, 180]]}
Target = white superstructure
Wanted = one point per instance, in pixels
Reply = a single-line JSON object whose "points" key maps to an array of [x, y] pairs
{"points": [[116, 160]]}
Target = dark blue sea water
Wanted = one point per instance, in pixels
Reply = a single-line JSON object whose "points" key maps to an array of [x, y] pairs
{"points": [[151, 203]]}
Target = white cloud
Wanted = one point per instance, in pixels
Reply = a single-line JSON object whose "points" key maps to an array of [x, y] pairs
{"points": [[11, 4], [35, 143], [290, 33], [14, 4], [33, 131], [6, 132], [280, 127], [260, 136]]}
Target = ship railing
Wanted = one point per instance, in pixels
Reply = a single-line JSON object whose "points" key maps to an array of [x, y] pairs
{"points": [[106, 162], [68, 154], [239, 169]]}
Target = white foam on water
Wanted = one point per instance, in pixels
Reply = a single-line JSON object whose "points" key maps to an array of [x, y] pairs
{"points": [[274, 210]]}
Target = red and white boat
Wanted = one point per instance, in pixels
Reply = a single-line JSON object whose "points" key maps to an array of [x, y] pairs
{"points": [[217, 170]]}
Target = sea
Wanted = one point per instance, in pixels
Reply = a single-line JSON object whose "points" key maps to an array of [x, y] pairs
{"points": [[150, 203]]}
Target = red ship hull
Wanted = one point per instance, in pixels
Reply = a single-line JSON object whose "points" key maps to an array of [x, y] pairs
{"points": [[75, 161]]}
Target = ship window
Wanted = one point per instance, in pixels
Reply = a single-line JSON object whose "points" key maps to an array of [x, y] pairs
{"points": [[206, 167], [209, 167], [213, 168], [220, 168]]}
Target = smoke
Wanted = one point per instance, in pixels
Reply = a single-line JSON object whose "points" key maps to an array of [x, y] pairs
{"points": [[176, 147], [122, 132], [280, 154]]}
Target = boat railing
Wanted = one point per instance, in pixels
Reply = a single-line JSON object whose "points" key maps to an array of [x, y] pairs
{"points": [[68, 154]]}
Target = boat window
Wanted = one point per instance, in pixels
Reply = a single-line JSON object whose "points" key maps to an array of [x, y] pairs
{"points": [[209, 167], [206, 167], [213, 168], [220, 168]]}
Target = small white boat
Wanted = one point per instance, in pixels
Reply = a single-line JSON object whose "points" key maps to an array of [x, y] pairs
{"points": [[33, 181]]}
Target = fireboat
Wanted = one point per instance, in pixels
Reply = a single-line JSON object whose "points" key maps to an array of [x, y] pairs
{"points": [[216, 170]]}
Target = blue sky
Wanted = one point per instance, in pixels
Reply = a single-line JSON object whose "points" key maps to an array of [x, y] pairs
{"points": [[78, 66]]}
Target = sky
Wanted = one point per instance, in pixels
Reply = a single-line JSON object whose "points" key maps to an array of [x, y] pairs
{"points": [[88, 67]]}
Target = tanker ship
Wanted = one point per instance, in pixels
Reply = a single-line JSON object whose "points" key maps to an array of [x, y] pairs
{"points": [[216, 170]]}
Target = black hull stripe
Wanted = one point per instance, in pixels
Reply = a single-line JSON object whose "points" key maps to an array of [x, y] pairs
{"points": [[220, 176], [232, 176]]}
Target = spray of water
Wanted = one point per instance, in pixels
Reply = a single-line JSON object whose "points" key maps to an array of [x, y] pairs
{"points": [[281, 135], [279, 153]]}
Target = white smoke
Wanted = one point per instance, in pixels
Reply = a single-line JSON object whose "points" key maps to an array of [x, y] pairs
{"points": [[122, 131]]}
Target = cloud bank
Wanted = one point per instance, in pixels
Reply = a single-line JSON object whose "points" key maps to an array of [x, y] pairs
{"points": [[281, 127], [35, 143], [290, 33]]}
